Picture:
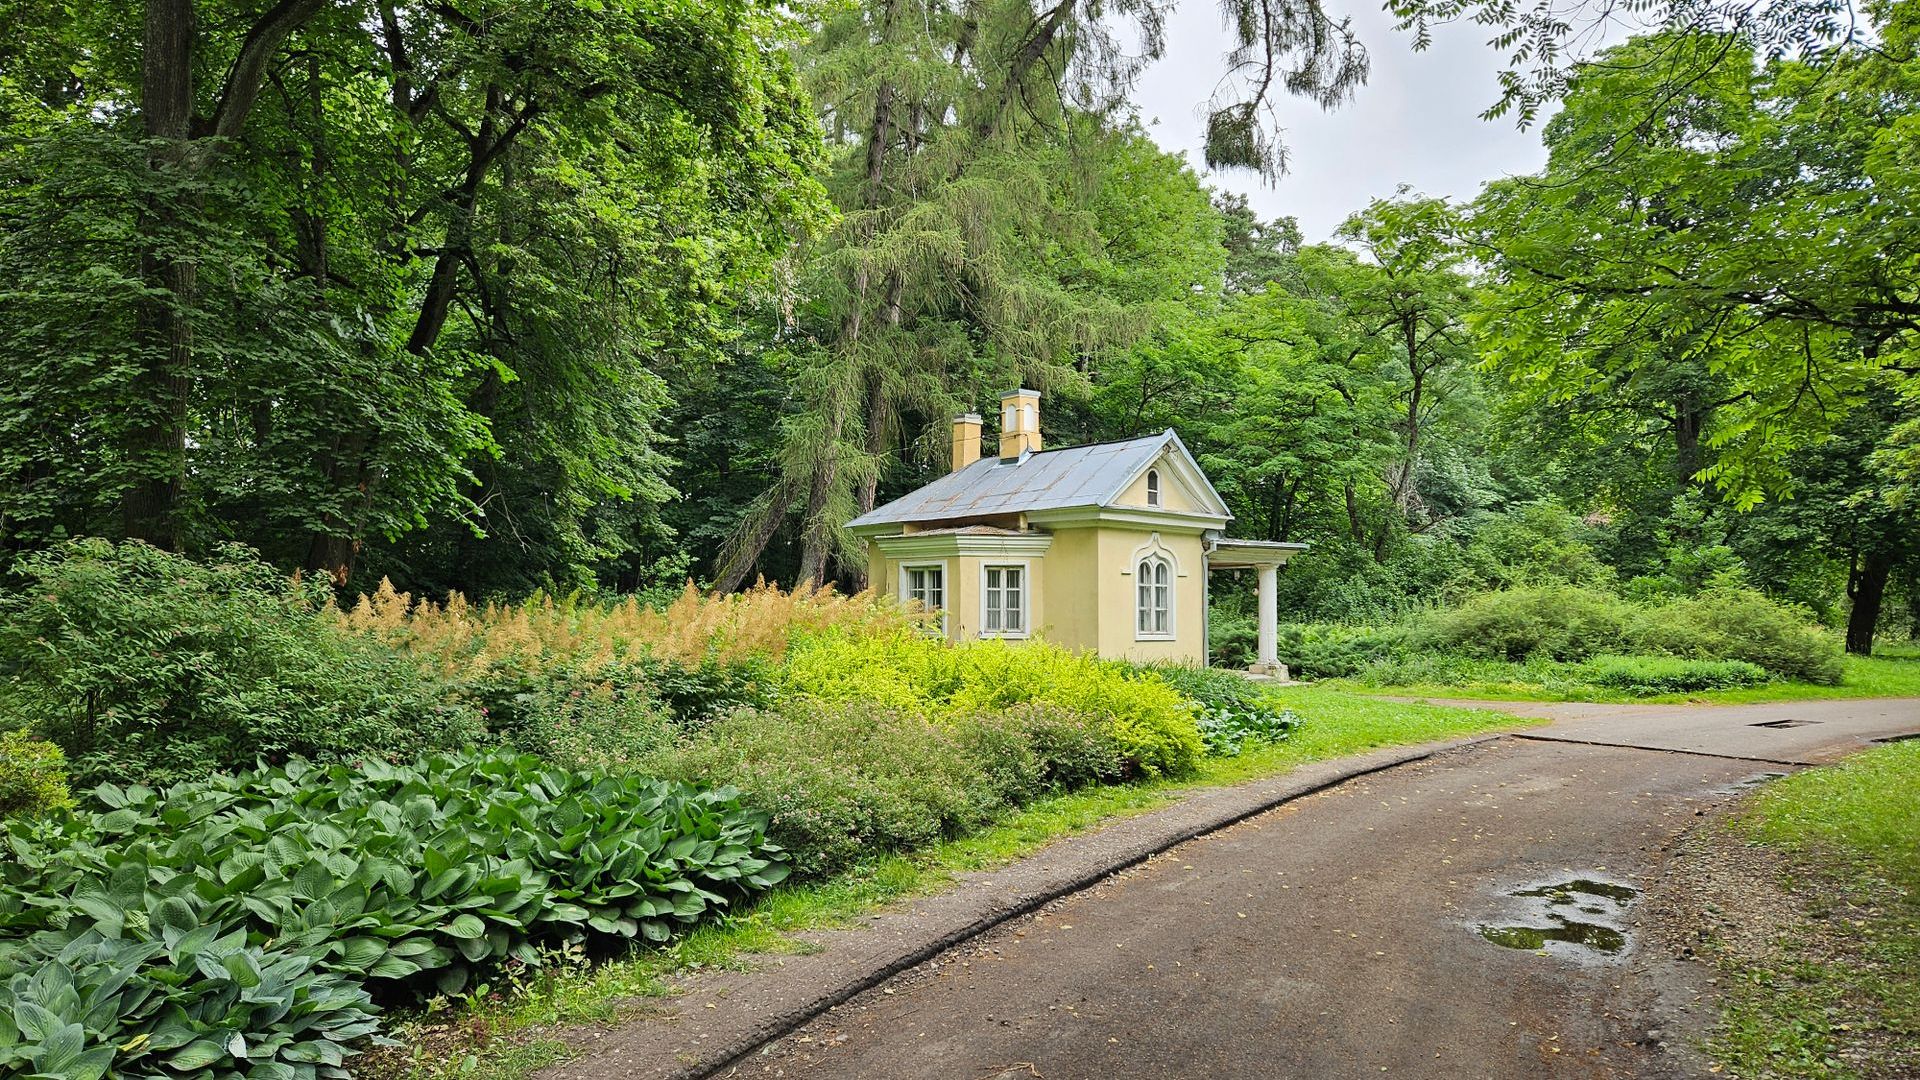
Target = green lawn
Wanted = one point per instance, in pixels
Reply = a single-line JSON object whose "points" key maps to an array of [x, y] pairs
{"points": [[507, 1031], [1895, 673], [1851, 977]]}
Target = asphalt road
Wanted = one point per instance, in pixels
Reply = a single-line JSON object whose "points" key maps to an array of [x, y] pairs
{"points": [[1409, 923]]}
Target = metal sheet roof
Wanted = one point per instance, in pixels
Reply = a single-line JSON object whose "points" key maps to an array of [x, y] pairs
{"points": [[1089, 475]]}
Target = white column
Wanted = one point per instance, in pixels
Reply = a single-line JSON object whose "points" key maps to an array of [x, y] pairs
{"points": [[1269, 616]]}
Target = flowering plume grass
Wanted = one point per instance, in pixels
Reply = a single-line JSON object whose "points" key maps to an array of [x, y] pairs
{"points": [[460, 640]]}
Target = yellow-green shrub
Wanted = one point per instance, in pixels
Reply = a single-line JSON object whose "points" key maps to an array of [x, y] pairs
{"points": [[33, 776], [1150, 720]]}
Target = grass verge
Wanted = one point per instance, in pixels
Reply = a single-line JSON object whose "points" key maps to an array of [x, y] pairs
{"points": [[1867, 677], [509, 1029], [1837, 995]]}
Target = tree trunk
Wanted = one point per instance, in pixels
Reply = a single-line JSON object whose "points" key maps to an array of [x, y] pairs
{"points": [[1400, 479], [1912, 585], [816, 538], [1867, 588], [1689, 420], [157, 441], [734, 574]]}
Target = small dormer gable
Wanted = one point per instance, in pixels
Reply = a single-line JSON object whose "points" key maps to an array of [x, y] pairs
{"points": [[1171, 481], [1163, 486]]}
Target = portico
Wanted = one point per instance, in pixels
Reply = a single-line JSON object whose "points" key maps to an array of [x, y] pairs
{"points": [[1264, 557]]}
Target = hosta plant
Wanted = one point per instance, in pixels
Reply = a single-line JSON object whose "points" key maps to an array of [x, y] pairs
{"points": [[400, 879]]}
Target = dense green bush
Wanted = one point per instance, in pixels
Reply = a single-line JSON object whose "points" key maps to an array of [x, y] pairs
{"points": [[151, 667], [1669, 674], [1540, 543], [1740, 624], [1558, 621], [702, 693], [315, 880], [1233, 637], [1339, 580], [604, 717], [1332, 651], [848, 780], [1149, 720], [1234, 711], [33, 776]]}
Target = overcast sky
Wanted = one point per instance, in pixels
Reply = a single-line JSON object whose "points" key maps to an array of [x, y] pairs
{"points": [[1415, 122]]}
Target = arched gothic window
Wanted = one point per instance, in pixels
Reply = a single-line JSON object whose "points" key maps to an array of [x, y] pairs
{"points": [[1153, 597]]}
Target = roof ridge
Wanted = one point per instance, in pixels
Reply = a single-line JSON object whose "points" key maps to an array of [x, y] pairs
{"points": [[1102, 442]]}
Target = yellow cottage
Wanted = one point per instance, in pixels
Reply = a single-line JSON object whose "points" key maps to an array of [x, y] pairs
{"points": [[1103, 548]]}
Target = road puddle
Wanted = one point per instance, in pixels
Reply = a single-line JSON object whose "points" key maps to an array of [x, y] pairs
{"points": [[1576, 917]]}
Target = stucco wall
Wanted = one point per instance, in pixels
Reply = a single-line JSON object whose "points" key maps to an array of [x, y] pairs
{"points": [[1080, 593], [1118, 548], [1073, 604]]}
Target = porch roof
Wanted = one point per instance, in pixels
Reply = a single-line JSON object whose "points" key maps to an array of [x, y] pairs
{"points": [[1225, 554]]}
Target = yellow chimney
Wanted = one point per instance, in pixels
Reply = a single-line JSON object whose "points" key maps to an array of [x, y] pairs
{"points": [[966, 440], [1019, 423]]}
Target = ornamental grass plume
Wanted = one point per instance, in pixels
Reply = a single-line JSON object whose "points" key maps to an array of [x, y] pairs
{"points": [[458, 639]]}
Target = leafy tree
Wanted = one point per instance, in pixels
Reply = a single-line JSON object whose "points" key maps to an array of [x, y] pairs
{"points": [[408, 266], [996, 230], [1698, 267]]}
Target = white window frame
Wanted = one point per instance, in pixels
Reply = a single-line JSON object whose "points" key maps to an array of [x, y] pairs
{"points": [[1154, 575], [906, 590], [1153, 487], [1025, 629]]}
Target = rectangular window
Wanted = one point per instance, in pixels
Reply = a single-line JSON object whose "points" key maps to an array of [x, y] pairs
{"points": [[928, 585], [1004, 600]]}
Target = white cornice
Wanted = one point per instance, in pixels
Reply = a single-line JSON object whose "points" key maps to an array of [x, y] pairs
{"points": [[940, 545], [1183, 521]]}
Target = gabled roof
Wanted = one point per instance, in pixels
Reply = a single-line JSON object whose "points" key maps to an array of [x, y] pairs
{"points": [[1093, 475]]}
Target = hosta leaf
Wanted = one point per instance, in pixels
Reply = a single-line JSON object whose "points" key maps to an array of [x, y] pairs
{"points": [[563, 912], [36, 1023], [60, 1049], [361, 952], [172, 914], [108, 914], [392, 967], [464, 926], [242, 969], [451, 980], [313, 881], [414, 946], [91, 1065], [197, 1055], [770, 875]]}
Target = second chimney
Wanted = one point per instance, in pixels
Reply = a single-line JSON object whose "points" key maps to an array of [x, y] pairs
{"points": [[1019, 424], [966, 440]]}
